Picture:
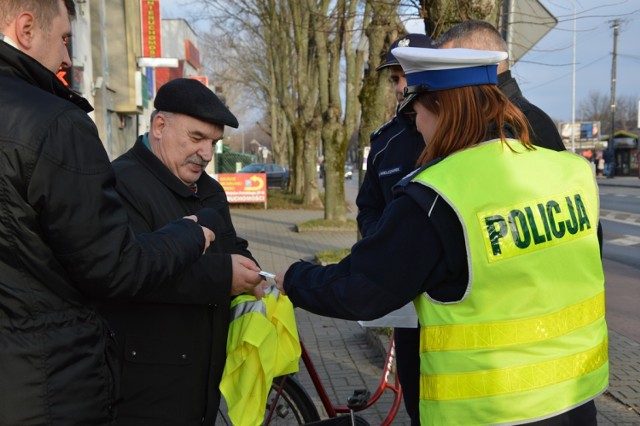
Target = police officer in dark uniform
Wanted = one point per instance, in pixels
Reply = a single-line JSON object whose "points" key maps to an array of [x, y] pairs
{"points": [[395, 148]]}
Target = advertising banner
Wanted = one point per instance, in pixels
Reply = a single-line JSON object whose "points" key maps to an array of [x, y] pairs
{"points": [[244, 187], [151, 35]]}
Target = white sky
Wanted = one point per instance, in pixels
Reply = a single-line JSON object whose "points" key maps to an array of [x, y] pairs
{"points": [[545, 73], [550, 85]]}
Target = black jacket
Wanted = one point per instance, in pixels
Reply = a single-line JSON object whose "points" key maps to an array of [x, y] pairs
{"points": [[395, 148], [542, 129], [172, 344], [64, 241]]}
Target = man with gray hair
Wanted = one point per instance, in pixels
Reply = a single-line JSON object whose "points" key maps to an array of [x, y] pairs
{"points": [[172, 343]]}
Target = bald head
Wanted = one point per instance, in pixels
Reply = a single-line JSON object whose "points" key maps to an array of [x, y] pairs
{"points": [[475, 34]]}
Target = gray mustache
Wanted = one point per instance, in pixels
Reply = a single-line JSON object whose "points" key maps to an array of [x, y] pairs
{"points": [[195, 159]]}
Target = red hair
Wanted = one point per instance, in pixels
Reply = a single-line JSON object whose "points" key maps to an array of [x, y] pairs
{"points": [[470, 115]]}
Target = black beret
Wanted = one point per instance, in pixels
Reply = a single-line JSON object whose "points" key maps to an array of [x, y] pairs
{"points": [[190, 97]]}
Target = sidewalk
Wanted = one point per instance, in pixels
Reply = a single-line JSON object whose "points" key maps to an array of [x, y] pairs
{"points": [[344, 357]]}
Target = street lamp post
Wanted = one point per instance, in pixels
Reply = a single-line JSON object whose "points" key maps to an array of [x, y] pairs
{"points": [[610, 146]]}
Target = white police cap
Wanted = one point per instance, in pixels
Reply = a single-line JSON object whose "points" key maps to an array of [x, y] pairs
{"points": [[438, 69]]}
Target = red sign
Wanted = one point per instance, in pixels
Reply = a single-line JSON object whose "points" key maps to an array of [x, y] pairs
{"points": [[244, 187], [151, 34], [192, 54], [201, 78]]}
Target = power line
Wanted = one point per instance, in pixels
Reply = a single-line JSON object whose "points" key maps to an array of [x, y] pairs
{"points": [[565, 75]]}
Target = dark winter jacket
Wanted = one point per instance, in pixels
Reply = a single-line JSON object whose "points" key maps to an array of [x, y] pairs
{"points": [[64, 242], [541, 127], [172, 344]]}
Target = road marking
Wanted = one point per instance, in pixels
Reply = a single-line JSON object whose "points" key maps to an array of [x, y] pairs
{"points": [[621, 217], [627, 240]]}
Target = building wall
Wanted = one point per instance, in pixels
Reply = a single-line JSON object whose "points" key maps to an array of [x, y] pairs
{"points": [[115, 36], [107, 43]]}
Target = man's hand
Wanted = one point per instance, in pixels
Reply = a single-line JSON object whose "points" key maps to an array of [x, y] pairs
{"points": [[245, 277], [280, 281], [209, 235]]}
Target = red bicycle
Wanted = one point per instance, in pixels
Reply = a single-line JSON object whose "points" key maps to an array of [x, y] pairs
{"points": [[289, 403]]}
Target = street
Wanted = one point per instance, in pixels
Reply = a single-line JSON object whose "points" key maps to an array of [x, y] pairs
{"points": [[620, 218]]}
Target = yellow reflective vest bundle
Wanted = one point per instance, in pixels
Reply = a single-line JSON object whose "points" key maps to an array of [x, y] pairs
{"points": [[263, 343], [528, 340]]}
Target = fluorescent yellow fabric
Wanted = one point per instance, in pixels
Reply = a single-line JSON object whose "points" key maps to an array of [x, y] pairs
{"points": [[263, 343], [529, 340], [280, 313]]}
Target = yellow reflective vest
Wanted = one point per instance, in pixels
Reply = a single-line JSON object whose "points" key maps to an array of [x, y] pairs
{"points": [[263, 343], [528, 340]]}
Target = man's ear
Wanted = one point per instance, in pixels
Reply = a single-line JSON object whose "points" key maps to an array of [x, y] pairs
{"points": [[157, 125], [25, 28]]}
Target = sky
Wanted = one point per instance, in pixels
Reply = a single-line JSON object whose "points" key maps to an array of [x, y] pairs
{"points": [[545, 73]]}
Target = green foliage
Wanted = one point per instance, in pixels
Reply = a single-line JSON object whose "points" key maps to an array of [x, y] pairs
{"points": [[331, 256], [327, 225], [385, 331]]}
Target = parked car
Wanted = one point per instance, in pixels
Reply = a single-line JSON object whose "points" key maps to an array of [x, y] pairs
{"points": [[277, 175]]}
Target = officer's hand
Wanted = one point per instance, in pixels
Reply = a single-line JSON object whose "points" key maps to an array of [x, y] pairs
{"points": [[280, 281], [245, 276]]}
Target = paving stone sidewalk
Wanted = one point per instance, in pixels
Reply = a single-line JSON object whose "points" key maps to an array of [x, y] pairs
{"points": [[345, 357]]}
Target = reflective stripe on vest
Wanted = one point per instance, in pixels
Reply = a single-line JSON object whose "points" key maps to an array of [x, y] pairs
{"points": [[512, 332], [528, 340], [263, 343]]}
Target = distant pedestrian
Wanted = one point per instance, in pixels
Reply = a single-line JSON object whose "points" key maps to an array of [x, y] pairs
{"points": [[609, 163], [600, 167]]}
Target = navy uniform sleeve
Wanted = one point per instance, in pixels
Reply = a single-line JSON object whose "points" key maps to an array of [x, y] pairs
{"points": [[383, 272]]}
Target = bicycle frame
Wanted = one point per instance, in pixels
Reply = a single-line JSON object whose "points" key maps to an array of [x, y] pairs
{"points": [[334, 410]]}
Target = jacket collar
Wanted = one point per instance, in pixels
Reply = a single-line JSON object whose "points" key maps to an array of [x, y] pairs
{"points": [[147, 158], [24, 67], [508, 85]]}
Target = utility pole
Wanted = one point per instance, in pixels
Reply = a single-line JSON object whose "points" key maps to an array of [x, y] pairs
{"points": [[610, 145], [573, 85], [616, 26]]}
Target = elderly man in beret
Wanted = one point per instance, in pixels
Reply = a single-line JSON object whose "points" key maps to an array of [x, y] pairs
{"points": [[172, 342]]}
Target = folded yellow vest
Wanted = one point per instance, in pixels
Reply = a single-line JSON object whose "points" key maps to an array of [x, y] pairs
{"points": [[263, 343]]}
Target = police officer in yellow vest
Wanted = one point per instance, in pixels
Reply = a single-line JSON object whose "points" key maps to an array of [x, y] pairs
{"points": [[496, 243]]}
